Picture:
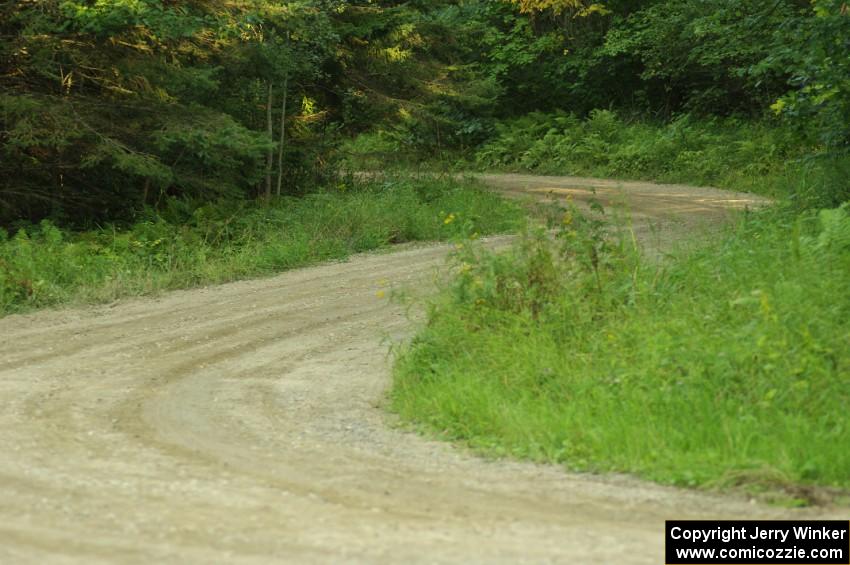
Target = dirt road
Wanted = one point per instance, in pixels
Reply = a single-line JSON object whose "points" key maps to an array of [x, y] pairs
{"points": [[242, 424]]}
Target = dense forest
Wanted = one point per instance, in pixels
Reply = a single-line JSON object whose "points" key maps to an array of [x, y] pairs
{"points": [[112, 106]]}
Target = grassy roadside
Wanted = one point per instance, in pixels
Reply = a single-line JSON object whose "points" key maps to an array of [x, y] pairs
{"points": [[725, 366], [186, 245], [763, 157], [728, 153]]}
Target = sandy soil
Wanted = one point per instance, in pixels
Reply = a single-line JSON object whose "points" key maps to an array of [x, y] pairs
{"points": [[242, 424]]}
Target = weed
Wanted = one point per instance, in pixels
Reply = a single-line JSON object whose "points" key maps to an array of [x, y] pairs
{"points": [[187, 243], [755, 157], [726, 363]]}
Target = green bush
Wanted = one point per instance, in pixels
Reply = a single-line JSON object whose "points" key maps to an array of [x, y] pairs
{"points": [[189, 243], [725, 365], [729, 153]]}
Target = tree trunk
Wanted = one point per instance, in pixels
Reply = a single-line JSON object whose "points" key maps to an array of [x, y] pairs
{"points": [[282, 145], [270, 126]]}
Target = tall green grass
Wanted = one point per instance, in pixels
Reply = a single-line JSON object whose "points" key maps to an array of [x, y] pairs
{"points": [[187, 244], [730, 153], [723, 365], [765, 157]]}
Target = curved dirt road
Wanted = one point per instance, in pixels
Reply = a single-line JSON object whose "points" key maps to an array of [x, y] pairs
{"points": [[241, 424]]}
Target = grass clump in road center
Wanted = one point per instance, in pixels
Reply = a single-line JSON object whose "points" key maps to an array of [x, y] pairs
{"points": [[725, 365], [186, 244]]}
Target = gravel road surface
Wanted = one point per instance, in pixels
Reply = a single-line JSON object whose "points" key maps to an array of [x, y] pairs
{"points": [[243, 424]]}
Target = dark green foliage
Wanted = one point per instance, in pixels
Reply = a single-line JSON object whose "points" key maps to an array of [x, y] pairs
{"points": [[697, 56], [109, 106], [665, 61], [813, 49]]}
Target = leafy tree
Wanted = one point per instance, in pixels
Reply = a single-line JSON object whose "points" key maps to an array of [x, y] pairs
{"points": [[813, 47], [697, 56], [109, 105]]}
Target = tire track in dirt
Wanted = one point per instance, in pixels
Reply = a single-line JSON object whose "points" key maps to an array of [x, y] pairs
{"points": [[242, 424]]}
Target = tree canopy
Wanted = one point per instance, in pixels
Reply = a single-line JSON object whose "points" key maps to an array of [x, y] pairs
{"points": [[107, 106]]}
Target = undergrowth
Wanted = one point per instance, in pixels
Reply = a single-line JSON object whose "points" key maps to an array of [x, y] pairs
{"points": [[724, 365], [765, 157], [186, 244], [760, 157]]}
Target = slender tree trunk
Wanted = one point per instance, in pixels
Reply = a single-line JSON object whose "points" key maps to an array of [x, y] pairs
{"points": [[270, 126], [281, 147]]}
